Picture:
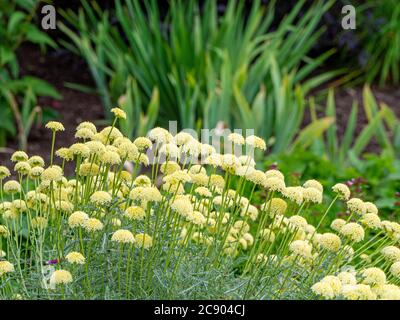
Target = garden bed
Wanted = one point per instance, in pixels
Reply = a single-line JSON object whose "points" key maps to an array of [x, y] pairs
{"points": [[60, 66]]}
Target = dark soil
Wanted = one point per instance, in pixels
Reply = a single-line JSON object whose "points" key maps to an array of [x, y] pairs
{"points": [[344, 98]]}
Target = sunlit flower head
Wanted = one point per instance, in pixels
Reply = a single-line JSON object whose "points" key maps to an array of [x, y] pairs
{"points": [[342, 191], [36, 161], [236, 138], [256, 142], [60, 277], [4, 231], [143, 240], [358, 292], [353, 231], [274, 184], [6, 267], [373, 276], [370, 208], [330, 242], [323, 289], [100, 198], [135, 213], [65, 154], [395, 269], [391, 253], [4, 172], [87, 125], [19, 156], [92, 224], [247, 160], [80, 149], [55, 126], [294, 194], [337, 224], [169, 167], [371, 220], [301, 248], [160, 135], [123, 236], [53, 173], [22, 167], [77, 219], [312, 194], [313, 184], [347, 278], [75, 258], [275, 206], [119, 113], [357, 206], [12, 187], [182, 138]]}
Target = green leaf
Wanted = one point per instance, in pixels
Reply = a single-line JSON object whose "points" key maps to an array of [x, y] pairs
{"points": [[313, 131]]}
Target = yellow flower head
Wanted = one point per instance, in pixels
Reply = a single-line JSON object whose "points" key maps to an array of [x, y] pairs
{"points": [[36, 161], [357, 206], [337, 224], [370, 208], [353, 231], [55, 126], [80, 149], [182, 138], [92, 224], [323, 289], [77, 219], [143, 143], [84, 133], [313, 184], [87, 125], [118, 113], [373, 276], [334, 283], [22, 167], [160, 135], [312, 194], [100, 198], [5, 267], [12, 186], [236, 138], [256, 142], [391, 253], [330, 242], [53, 173], [4, 231], [60, 277], [395, 269], [4, 172], [294, 194], [342, 191], [301, 248], [371, 220], [347, 278], [274, 184], [123, 236], [75, 258], [65, 154], [143, 240], [19, 156]]}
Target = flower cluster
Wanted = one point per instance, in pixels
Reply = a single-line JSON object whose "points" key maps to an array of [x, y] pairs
{"points": [[132, 226]]}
